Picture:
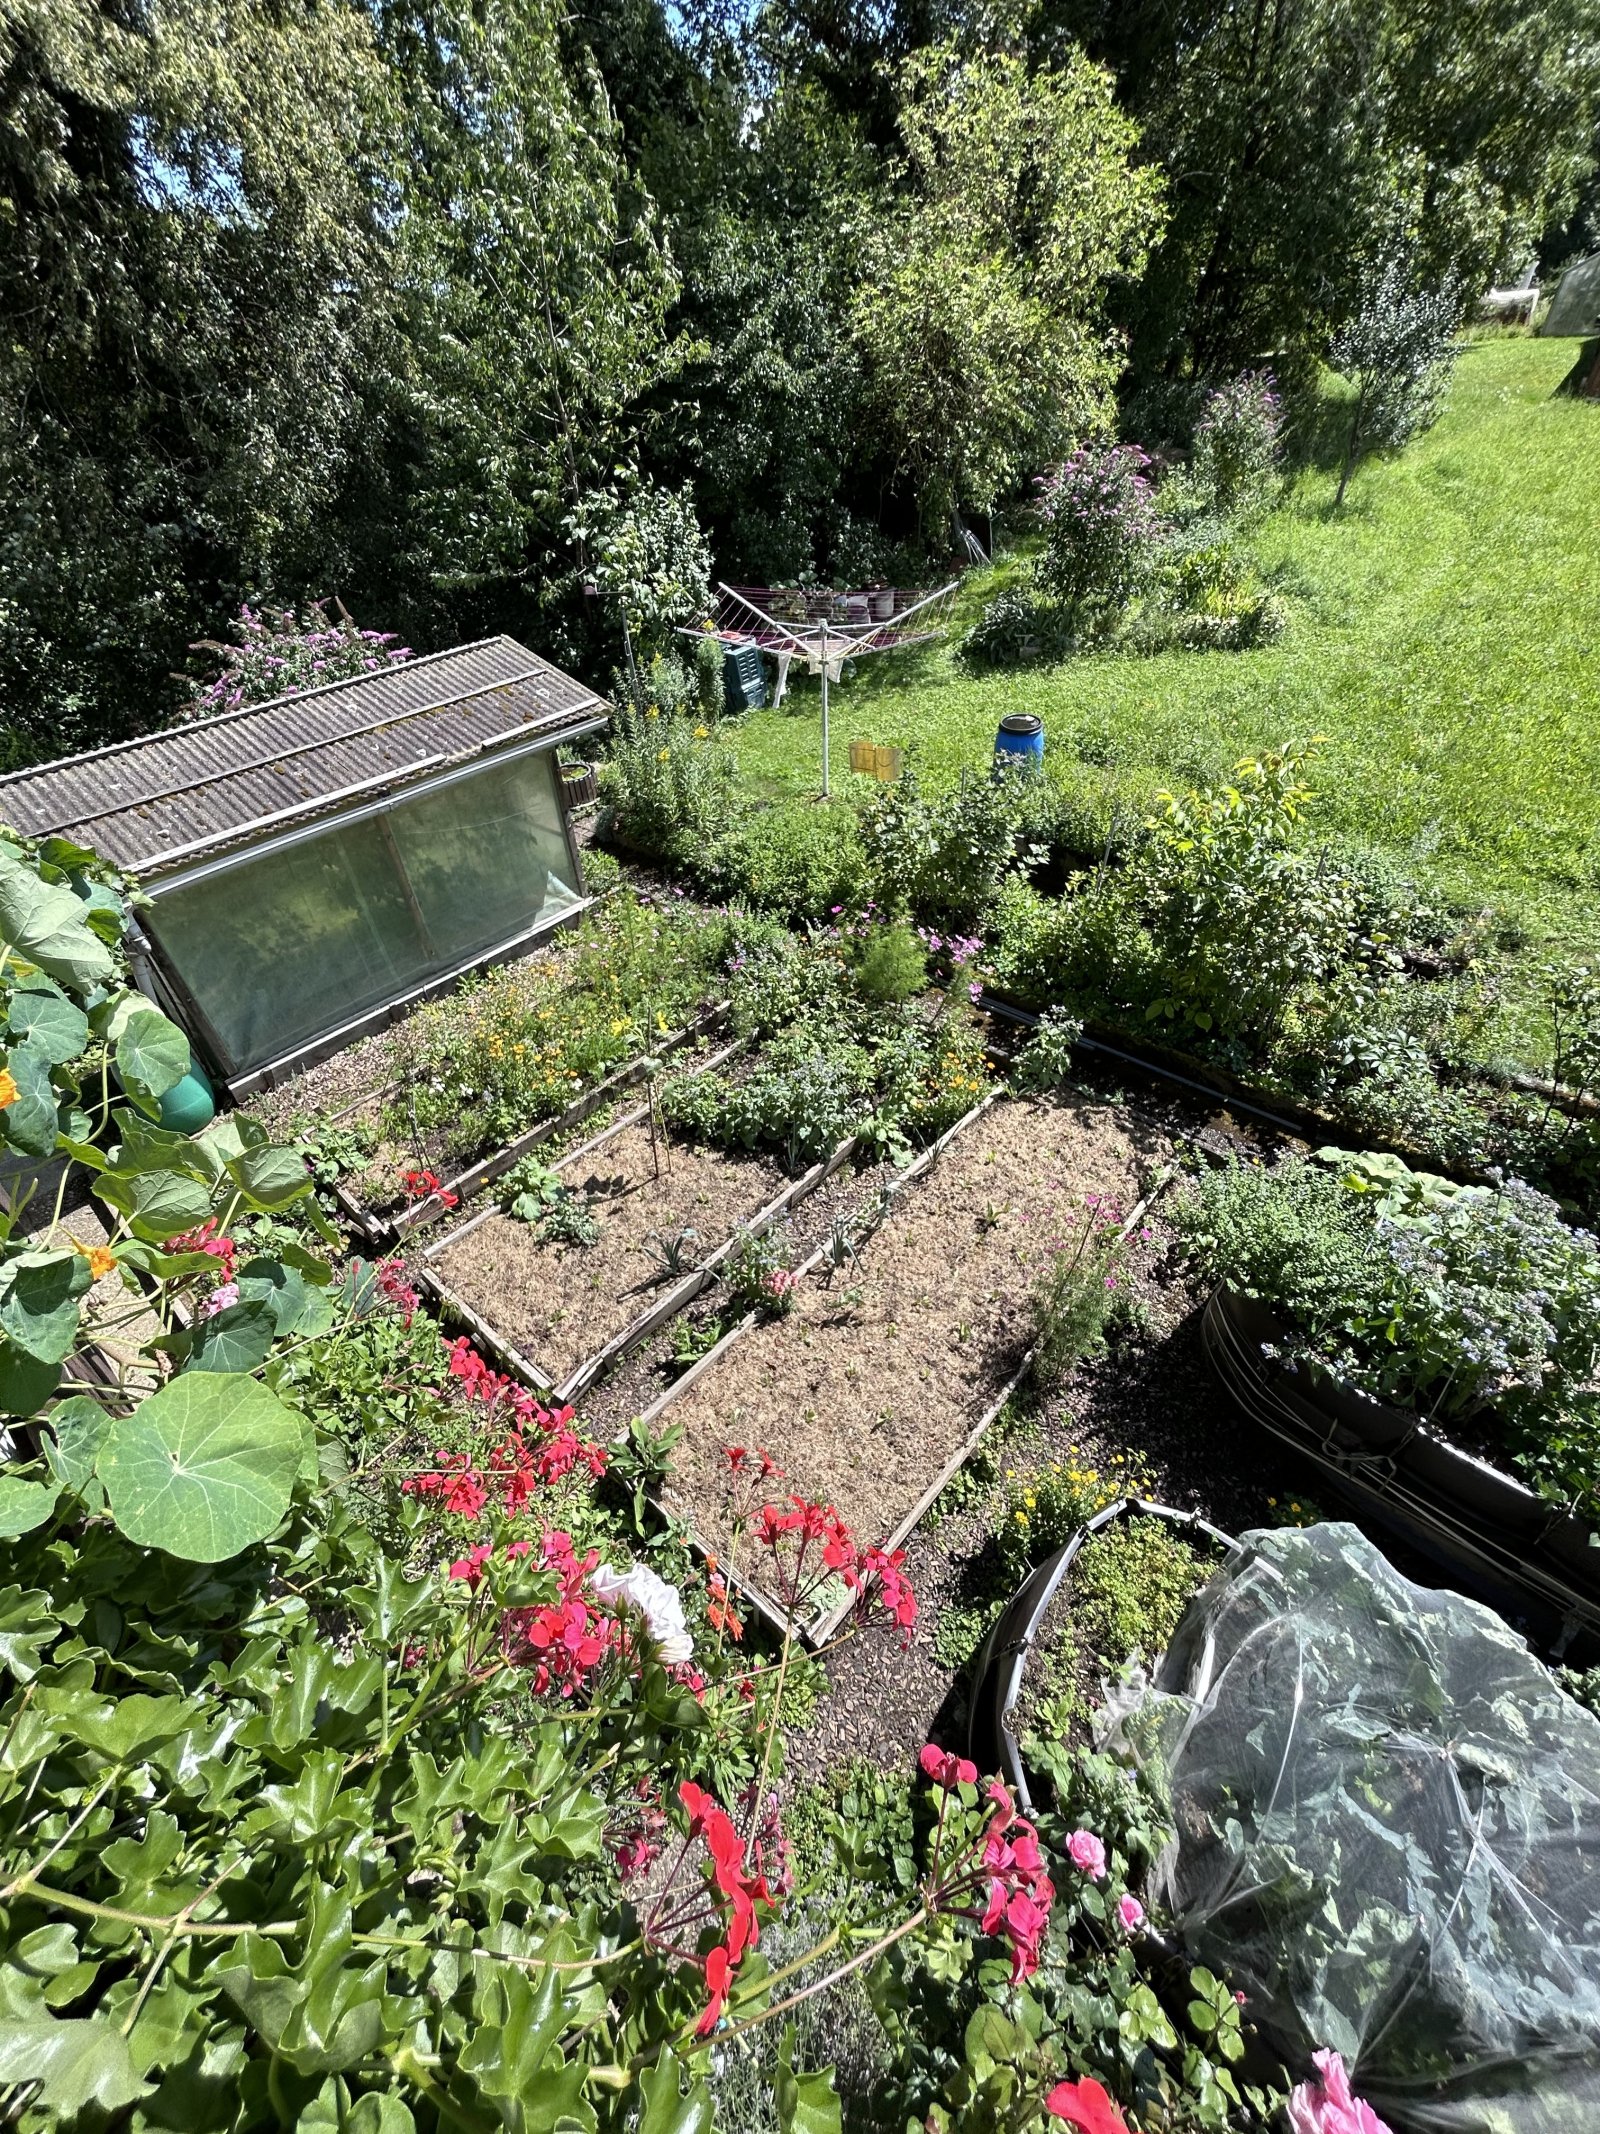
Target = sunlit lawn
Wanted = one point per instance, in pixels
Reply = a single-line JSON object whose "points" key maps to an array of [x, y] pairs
{"points": [[1445, 638]]}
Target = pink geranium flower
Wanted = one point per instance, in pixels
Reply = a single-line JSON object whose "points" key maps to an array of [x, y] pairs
{"points": [[1326, 2106]]}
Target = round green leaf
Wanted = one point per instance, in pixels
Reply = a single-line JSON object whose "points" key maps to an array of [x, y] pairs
{"points": [[39, 1305], [203, 1468], [29, 1121], [236, 1338], [152, 1054], [77, 1429], [25, 1383], [46, 924], [45, 1019], [25, 1505]]}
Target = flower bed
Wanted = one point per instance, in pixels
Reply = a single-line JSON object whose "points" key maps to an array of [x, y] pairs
{"points": [[878, 1382], [664, 1211]]}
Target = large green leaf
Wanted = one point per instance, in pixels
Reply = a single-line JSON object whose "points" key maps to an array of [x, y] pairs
{"points": [[270, 1177], [667, 2108], [75, 2064], [39, 1302], [43, 1017], [158, 1204], [75, 1430], [46, 924], [29, 1121], [204, 1467], [143, 1146], [152, 1054], [807, 2103], [24, 1505], [234, 1339], [25, 1383]]}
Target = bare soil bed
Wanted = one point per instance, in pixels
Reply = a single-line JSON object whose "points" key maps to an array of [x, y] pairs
{"points": [[867, 1391], [560, 1304]]}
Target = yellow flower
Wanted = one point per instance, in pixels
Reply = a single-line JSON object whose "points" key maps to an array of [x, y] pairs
{"points": [[9, 1092], [101, 1258], [662, 754], [702, 733]]}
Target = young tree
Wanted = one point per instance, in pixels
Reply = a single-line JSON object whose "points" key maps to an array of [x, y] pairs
{"points": [[981, 329], [1399, 348]]}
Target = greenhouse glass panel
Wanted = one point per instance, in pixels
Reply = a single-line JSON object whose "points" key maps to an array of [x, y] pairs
{"points": [[486, 856], [285, 944]]}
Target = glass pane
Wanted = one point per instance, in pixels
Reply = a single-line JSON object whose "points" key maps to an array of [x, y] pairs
{"points": [[283, 946], [289, 943], [487, 856]]}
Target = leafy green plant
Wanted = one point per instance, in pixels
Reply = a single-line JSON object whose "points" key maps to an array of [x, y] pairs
{"points": [[1073, 1294], [1045, 1061], [889, 965], [674, 1251]]}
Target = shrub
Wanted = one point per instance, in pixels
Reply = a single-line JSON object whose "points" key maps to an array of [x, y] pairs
{"points": [[1104, 531], [1233, 469], [279, 651], [940, 860], [1019, 627], [889, 964], [1086, 952], [1045, 1061], [669, 790], [708, 674], [801, 858]]}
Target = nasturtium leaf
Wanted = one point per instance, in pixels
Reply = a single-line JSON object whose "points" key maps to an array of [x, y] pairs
{"points": [[232, 1135], [45, 923], [144, 1146], [157, 1204], [274, 1283], [73, 1433], [39, 1303], [75, 2063], [380, 2112], [29, 1121], [25, 1383], [25, 1505], [236, 1338], [152, 1054], [203, 1468], [43, 1017], [270, 1177]]}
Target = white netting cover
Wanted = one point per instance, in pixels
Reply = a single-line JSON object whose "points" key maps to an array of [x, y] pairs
{"points": [[1387, 1823]]}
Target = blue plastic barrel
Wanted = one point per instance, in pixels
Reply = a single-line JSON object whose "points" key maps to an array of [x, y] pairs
{"points": [[1019, 744]]}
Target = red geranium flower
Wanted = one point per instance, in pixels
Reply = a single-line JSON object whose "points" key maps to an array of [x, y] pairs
{"points": [[1085, 2105]]}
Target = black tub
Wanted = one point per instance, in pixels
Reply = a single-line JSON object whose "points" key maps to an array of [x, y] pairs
{"points": [[1002, 1660], [1534, 1561]]}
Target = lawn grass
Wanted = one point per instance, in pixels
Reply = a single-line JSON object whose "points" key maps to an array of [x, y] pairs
{"points": [[1445, 638]]}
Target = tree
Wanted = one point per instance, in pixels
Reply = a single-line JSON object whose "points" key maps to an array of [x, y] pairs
{"points": [[188, 255], [981, 330], [1399, 347], [1289, 129]]}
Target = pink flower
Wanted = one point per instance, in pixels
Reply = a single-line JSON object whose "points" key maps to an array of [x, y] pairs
{"points": [[1087, 2106], [1087, 1854], [1326, 2106], [945, 1769], [1130, 1911]]}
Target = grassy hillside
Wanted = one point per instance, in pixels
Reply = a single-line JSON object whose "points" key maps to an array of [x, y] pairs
{"points": [[1445, 638]]}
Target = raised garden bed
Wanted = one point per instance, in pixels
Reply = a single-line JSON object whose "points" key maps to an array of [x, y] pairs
{"points": [[562, 1312], [1011, 1654], [880, 1382], [1538, 1561]]}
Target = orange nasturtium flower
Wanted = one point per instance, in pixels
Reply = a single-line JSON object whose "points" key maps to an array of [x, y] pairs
{"points": [[9, 1092], [101, 1258]]}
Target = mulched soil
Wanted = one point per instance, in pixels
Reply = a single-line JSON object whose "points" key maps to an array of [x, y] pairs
{"points": [[559, 1304], [865, 1392], [1156, 1405]]}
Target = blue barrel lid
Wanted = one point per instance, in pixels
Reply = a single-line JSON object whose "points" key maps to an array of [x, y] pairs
{"points": [[1021, 722]]}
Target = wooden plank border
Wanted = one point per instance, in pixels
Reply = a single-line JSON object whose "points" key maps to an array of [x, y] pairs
{"points": [[814, 1633], [467, 1184]]}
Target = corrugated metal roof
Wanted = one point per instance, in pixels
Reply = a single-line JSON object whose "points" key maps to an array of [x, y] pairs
{"points": [[195, 789]]}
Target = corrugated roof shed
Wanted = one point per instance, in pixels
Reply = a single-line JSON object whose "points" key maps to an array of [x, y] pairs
{"points": [[223, 781]]}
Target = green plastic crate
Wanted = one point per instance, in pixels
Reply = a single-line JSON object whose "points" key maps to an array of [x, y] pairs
{"points": [[744, 679]]}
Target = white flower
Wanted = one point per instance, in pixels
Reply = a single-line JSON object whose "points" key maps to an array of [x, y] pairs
{"points": [[661, 1606]]}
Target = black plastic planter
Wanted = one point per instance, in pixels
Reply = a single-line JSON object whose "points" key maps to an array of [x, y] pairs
{"points": [[1536, 1563], [1002, 1661]]}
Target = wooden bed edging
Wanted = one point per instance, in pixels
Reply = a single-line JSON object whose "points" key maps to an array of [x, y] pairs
{"points": [[465, 1185], [1297, 1121], [751, 1594]]}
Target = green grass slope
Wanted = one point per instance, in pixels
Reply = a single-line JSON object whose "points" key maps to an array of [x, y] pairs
{"points": [[1445, 637]]}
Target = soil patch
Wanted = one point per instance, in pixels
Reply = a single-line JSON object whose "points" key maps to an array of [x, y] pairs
{"points": [[558, 1304], [874, 1382]]}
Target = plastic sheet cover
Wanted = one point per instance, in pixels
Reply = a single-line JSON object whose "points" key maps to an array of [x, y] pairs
{"points": [[1387, 1833]]}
